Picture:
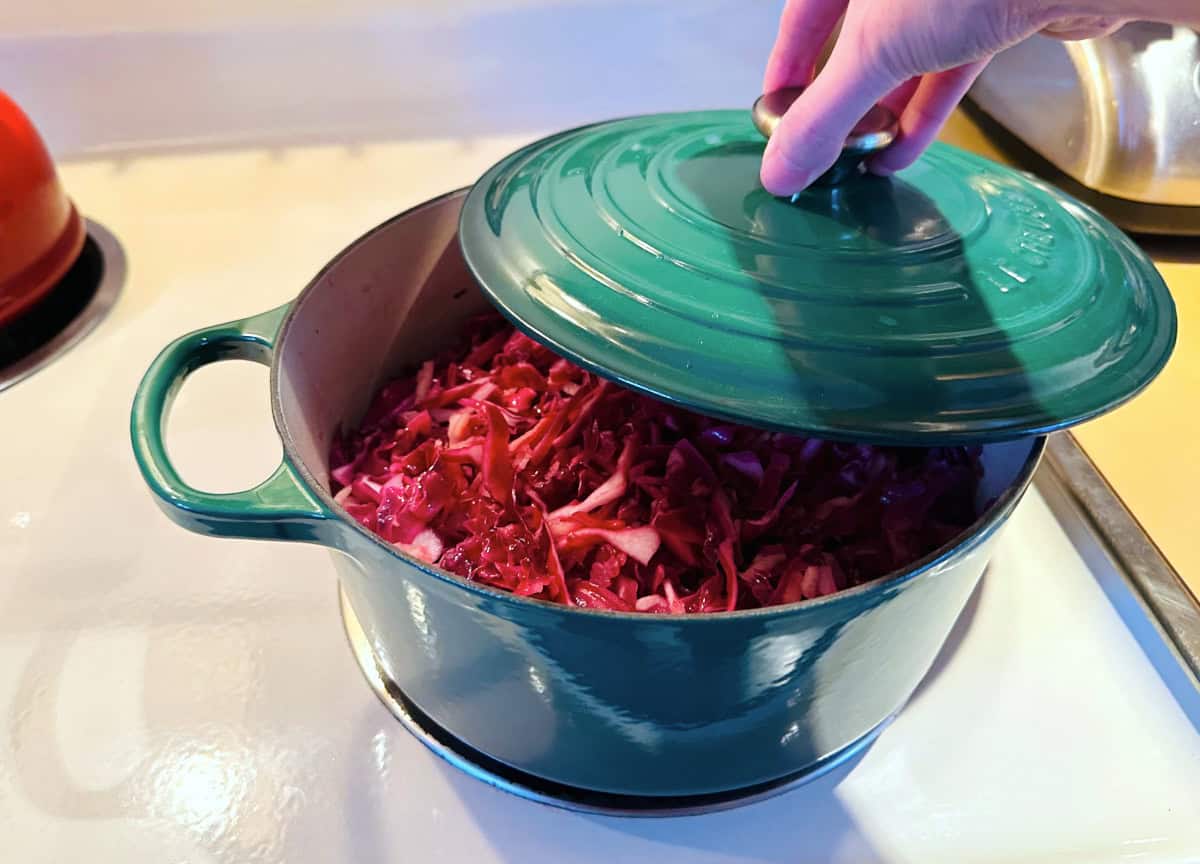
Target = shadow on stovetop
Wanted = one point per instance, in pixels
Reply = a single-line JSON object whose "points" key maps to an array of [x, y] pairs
{"points": [[813, 821], [962, 626]]}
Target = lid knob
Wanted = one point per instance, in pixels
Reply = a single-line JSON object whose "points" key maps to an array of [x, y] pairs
{"points": [[874, 132]]}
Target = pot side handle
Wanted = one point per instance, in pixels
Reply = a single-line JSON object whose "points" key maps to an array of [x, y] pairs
{"points": [[279, 508]]}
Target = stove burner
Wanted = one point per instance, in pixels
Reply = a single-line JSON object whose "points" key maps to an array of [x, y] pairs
{"points": [[516, 782], [69, 312]]}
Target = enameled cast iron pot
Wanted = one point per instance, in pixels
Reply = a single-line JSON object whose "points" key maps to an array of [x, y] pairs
{"points": [[620, 703]]}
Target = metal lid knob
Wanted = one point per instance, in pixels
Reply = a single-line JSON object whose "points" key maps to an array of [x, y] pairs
{"points": [[874, 132]]}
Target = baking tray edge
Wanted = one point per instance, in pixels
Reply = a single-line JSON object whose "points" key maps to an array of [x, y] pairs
{"points": [[1169, 603]]}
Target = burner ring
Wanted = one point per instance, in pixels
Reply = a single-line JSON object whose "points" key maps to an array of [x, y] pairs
{"points": [[69, 312]]}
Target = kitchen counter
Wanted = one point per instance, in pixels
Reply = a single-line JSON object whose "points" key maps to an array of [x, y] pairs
{"points": [[1146, 449]]}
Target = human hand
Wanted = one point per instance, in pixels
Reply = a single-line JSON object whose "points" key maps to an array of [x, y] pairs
{"points": [[917, 57]]}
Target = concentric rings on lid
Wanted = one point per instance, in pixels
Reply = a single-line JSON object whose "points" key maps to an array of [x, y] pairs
{"points": [[959, 300]]}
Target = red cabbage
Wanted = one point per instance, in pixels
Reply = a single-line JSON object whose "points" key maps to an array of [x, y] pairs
{"points": [[507, 465]]}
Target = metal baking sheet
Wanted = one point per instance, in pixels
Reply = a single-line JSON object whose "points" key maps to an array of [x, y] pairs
{"points": [[1097, 520]]}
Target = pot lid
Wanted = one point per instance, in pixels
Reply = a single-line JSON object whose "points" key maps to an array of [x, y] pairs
{"points": [[956, 301]]}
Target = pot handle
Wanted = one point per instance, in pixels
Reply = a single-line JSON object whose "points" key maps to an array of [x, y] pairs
{"points": [[279, 508]]}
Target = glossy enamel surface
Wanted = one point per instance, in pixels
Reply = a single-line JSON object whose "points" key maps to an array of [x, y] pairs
{"points": [[279, 507], [959, 300], [627, 704], [532, 788], [653, 707]]}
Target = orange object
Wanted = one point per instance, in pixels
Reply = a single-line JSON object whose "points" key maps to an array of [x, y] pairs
{"points": [[41, 233]]}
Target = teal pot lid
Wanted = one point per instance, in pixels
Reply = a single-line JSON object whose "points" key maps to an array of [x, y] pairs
{"points": [[956, 301]]}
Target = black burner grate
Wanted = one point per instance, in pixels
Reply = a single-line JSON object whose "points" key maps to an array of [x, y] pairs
{"points": [[70, 311], [37, 326]]}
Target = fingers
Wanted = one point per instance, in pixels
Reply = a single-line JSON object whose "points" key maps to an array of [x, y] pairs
{"points": [[804, 27], [898, 99], [931, 104], [810, 136]]}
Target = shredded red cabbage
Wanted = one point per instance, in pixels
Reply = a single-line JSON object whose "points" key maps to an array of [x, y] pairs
{"points": [[507, 465]]}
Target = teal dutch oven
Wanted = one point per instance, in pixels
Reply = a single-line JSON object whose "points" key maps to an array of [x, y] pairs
{"points": [[645, 249]]}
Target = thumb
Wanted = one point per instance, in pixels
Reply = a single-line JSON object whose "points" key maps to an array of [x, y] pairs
{"points": [[811, 134]]}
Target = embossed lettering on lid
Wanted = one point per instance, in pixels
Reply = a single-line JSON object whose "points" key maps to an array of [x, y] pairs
{"points": [[958, 300]]}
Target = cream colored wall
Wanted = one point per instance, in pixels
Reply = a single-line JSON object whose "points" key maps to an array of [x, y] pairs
{"points": [[101, 16], [128, 75]]}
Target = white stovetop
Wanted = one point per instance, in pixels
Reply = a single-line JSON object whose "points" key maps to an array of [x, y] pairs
{"points": [[170, 698]]}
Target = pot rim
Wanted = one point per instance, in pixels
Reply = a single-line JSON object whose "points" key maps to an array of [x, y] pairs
{"points": [[969, 538]]}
